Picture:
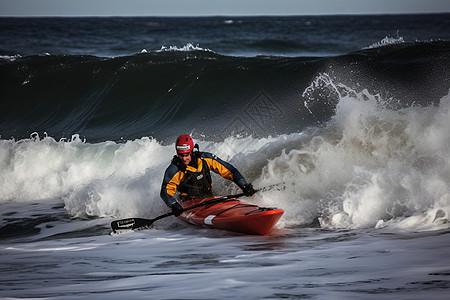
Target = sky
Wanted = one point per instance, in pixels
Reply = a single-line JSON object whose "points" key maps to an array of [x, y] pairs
{"points": [[216, 7]]}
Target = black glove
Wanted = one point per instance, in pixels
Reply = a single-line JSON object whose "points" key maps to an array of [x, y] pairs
{"points": [[249, 190], [177, 209]]}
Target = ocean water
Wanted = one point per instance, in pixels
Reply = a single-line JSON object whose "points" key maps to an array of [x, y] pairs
{"points": [[345, 120]]}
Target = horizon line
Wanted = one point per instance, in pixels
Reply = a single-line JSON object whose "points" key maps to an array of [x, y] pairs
{"points": [[222, 15]]}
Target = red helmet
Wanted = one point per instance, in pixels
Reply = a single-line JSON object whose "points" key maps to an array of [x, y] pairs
{"points": [[184, 144]]}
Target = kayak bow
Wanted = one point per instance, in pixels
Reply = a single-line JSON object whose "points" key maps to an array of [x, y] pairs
{"points": [[232, 215]]}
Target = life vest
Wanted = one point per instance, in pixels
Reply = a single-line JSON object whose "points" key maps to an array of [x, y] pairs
{"points": [[195, 184]]}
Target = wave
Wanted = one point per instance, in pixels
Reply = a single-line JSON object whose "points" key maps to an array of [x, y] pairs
{"points": [[369, 166], [353, 141], [158, 94]]}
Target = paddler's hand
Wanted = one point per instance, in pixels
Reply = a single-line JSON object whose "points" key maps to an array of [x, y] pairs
{"points": [[177, 209], [249, 190]]}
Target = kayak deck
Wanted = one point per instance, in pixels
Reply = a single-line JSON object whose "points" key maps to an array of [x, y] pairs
{"points": [[232, 215]]}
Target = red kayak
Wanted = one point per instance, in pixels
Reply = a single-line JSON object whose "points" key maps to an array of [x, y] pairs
{"points": [[233, 215]]}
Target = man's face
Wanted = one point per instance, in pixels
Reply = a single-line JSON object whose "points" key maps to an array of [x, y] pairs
{"points": [[185, 158]]}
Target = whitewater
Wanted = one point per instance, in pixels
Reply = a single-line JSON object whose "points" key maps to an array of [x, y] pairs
{"points": [[366, 202], [354, 147]]}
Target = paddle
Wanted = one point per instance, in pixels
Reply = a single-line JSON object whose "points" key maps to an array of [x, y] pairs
{"points": [[140, 223]]}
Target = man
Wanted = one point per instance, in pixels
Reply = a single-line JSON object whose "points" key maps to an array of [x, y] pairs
{"points": [[189, 174]]}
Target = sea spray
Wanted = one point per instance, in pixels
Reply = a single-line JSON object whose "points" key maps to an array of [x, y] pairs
{"points": [[368, 164]]}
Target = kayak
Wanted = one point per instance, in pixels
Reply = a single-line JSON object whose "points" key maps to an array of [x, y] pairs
{"points": [[231, 214]]}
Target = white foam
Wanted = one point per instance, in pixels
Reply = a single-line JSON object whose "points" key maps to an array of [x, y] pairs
{"points": [[186, 48], [10, 57], [369, 167], [369, 164], [387, 41]]}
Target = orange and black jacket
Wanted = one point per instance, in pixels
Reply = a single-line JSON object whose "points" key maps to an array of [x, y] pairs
{"points": [[194, 180]]}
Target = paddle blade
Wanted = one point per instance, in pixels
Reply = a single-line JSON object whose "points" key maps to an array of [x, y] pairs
{"points": [[130, 224]]}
